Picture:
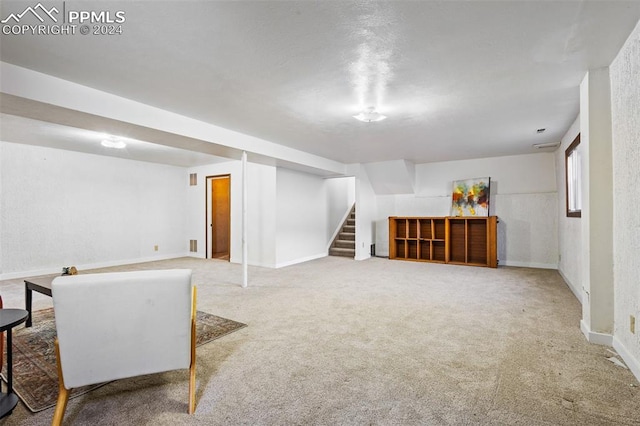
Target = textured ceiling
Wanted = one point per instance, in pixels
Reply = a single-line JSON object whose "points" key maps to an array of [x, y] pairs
{"points": [[457, 79]]}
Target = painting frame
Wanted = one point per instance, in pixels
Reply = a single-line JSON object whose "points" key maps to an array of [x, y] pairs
{"points": [[470, 197]]}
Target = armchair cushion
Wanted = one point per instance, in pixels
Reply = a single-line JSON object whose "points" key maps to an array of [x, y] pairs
{"points": [[117, 325]]}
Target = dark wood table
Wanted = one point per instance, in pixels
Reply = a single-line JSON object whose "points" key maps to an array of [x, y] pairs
{"points": [[41, 285], [9, 318]]}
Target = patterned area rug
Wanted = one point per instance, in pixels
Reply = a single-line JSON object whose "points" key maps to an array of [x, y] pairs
{"points": [[35, 375]]}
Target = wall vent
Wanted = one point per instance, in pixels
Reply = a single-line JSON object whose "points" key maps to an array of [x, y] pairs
{"points": [[193, 179], [193, 246]]}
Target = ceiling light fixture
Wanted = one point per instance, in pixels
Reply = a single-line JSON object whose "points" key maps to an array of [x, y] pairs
{"points": [[369, 115], [113, 143], [546, 145]]}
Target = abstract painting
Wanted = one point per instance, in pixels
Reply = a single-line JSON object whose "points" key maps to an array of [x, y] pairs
{"points": [[470, 197]]}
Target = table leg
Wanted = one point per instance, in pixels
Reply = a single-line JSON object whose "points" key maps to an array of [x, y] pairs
{"points": [[9, 400], [9, 363], [28, 298]]}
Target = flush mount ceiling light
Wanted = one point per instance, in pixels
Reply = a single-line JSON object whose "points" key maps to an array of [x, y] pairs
{"points": [[546, 145], [369, 115], [113, 142]]}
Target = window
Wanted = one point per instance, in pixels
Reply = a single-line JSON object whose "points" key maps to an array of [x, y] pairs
{"points": [[573, 179]]}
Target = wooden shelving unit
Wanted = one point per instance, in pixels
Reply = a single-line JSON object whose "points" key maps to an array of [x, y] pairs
{"points": [[417, 239], [459, 240]]}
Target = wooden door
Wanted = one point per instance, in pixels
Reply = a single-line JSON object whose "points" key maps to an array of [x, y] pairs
{"points": [[220, 217]]}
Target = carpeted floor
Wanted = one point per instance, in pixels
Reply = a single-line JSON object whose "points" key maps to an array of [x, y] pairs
{"points": [[381, 342], [35, 372]]}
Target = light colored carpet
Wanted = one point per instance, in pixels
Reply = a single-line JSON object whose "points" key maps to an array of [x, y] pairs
{"points": [[335, 341]]}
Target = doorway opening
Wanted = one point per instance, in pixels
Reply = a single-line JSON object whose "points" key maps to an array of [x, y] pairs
{"points": [[218, 205]]}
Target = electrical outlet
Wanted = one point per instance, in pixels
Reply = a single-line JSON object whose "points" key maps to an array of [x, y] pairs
{"points": [[632, 324], [155, 248]]}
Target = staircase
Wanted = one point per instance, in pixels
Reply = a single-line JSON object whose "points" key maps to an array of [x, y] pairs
{"points": [[345, 242]]}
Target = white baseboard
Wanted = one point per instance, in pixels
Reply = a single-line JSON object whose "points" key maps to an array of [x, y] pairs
{"points": [[365, 257], [56, 270], [632, 362], [527, 264], [301, 260], [596, 338], [571, 286]]}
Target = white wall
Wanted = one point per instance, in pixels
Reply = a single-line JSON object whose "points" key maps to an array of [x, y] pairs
{"points": [[62, 208], [625, 109], [366, 207], [261, 211], [569, 228], [302, 219], [523, 196], [391, 177], [517, 174], [597, 206], [261, 215], [2, 155], [288, 212]]}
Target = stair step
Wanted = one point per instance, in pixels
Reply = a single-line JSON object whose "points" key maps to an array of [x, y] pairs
{"points": [[349, 236], [342, 252], [345, 244]]}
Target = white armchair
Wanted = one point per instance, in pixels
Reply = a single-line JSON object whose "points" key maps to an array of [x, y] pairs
{"points": [[125, 324]]}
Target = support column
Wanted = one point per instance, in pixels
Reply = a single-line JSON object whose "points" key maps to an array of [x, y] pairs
{"points": [[597, 207], [245, 256]]}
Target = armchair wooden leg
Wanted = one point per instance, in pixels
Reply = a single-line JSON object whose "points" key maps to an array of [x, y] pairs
{"points": [[192, 387], [63, 393], [192, 367]]}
